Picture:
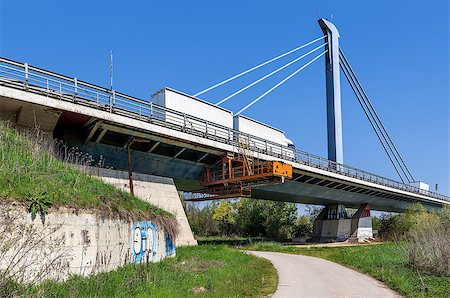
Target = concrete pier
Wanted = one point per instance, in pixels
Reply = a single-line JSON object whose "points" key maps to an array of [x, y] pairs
{"points": [[334, 224]]}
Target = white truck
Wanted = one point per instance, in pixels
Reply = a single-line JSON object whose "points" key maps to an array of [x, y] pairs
{"points": [[200, 115], [188, 112]]}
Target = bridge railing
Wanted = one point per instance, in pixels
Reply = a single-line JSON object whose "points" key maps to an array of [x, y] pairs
{"points": [[33, 79]]}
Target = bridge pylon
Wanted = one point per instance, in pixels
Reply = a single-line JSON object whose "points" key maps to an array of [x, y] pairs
{"points": [[333, 89]]}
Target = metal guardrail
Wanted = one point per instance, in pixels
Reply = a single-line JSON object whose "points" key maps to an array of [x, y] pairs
{"points": [[33, 79]]}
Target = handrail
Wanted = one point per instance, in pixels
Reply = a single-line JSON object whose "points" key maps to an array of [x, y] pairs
{"points": [[20, 75]]}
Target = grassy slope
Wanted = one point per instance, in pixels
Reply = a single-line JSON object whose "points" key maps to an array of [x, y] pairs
{"points": [[385, 262], [221, 270], [27, 172]]}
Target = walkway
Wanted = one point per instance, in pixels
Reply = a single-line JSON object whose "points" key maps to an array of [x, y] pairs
{"points": [[302, 276]]}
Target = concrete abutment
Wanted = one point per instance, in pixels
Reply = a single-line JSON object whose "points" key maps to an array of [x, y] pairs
{"points": [[156, 190]]}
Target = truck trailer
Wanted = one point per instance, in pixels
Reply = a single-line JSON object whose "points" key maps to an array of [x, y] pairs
{"points": [[185, 110], [201, 117], [268, 138]]}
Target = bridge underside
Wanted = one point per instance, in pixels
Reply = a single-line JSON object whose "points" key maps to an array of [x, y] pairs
{"points": [[305, 193], [186, 171], [184, 161]]}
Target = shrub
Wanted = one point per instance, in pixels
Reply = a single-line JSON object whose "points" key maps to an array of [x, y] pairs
{"points": [[429, 249], [376, 223], [303, 227], [397, 227], [427, 237], [428, 246], [201, 219]]}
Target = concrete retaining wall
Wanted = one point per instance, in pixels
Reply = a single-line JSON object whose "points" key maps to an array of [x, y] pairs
{"points": [[75, 242], [159, 191]]}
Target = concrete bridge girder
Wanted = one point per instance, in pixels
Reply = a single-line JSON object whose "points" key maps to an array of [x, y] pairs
{"points": [[305, 193]]}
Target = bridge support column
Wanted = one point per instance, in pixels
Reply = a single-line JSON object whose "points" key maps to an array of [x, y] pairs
{"points": [[361, 228], [334, 224]]}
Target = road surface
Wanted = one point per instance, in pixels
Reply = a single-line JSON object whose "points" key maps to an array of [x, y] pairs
{"points": [[302, 276]]}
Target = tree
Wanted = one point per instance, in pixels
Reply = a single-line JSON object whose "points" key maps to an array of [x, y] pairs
{"points": [[201, 219], [313, 212], [303, 227], [249, 218], [225, 215], [279, 219]]}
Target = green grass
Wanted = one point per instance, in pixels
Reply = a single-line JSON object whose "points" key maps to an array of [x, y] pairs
{"points": [[385, 262], [217, 271], [30, 174]]}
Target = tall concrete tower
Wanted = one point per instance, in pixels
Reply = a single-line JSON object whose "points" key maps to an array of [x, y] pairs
{"points": [[333, 81]]}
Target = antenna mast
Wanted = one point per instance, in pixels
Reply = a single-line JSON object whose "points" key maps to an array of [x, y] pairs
{"points": [[110, 70]]}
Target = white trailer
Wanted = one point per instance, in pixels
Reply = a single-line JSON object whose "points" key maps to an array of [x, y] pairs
{"points": [[268, 138], [421, 185], [192, 113]]}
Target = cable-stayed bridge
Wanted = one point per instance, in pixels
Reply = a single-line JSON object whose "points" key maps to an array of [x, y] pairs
{"points": [[213, 158]]}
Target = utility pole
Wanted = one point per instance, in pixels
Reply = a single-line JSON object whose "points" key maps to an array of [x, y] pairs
{"points": [[333, 81]]}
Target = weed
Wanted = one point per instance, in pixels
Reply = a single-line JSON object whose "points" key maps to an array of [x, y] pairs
{"points": [[38, 202]]}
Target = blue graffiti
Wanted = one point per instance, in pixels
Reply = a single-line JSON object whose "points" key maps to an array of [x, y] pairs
{"points": [[143, 241], [170, 246]]}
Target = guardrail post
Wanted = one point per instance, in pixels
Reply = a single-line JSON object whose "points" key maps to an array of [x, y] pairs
{"points": [[151, 110], [184, 121], [206, 128], [26, 74], [112, 98], [75, 82]]}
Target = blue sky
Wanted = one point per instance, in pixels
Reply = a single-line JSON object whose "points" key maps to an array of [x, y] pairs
{"points": [[399, 49]]}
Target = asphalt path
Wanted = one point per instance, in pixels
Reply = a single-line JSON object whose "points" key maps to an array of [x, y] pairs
{"points": [[303, 276]]}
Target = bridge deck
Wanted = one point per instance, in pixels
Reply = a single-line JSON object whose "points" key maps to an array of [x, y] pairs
{"points": [[130, 115]]}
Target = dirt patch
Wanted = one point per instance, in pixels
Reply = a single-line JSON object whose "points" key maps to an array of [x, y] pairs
{"points": [[199, 289], [196, 266]]}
